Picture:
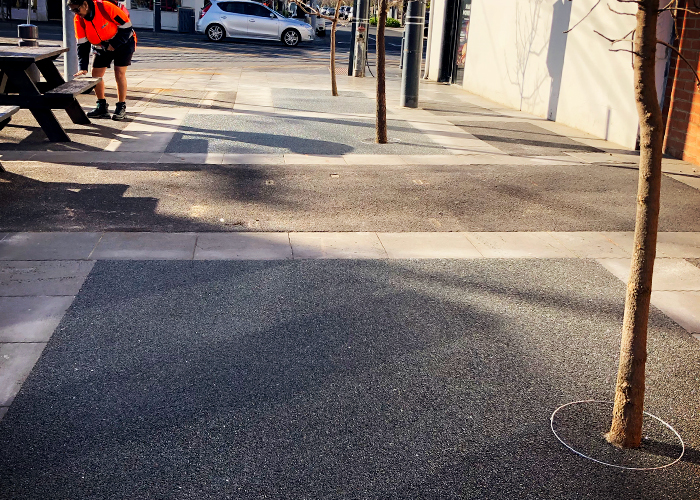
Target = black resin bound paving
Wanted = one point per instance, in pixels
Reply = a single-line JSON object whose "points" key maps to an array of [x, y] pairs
{"points": [[337, 379]]}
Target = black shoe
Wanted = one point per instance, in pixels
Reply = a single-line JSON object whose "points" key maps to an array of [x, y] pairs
{"points": [[120, 112], [100, 111]]}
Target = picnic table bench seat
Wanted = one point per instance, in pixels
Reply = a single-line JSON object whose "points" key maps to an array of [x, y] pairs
{"points": [[6, 113], [74, 87]]}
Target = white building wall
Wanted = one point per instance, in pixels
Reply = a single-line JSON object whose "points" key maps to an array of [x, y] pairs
{"points": [[437, 9], [518, 55]]}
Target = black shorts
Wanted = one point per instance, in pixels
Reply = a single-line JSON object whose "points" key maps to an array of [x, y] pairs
{"points": [[120, 56]]}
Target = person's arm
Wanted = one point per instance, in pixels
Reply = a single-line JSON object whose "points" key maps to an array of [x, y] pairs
{"points": [[124, 27], [83, 46]]}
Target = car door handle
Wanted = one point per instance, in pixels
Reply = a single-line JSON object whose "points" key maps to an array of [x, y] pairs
{"points": [[251, 20]]}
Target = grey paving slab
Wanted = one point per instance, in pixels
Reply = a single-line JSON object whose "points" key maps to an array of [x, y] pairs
{"points": [[3, 410], [669, 274], [322, 101], [16, 361], [668, 244], [41, 278], [145, 246], [264, 134], [522, 138], [372, 379], [683, 307], [360, 245], [428, 246], [250, 246], [591, 245], [48, 246], [31, 319], [518, 245]]}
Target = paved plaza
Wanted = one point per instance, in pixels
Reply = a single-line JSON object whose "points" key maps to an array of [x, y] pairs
{"points": [[236, 293]]}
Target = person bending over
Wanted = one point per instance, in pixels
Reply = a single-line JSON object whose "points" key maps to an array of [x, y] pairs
{"points": [[108, 29]]}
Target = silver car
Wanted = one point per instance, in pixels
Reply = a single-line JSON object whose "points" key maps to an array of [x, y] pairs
{"points": [[245, 19]]}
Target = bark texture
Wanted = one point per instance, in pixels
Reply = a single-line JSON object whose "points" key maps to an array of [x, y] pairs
{"points": [[381, 74], [334, 84], [626, 428]]}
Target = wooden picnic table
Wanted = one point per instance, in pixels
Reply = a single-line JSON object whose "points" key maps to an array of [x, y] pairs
{"points": [[41, 98]]}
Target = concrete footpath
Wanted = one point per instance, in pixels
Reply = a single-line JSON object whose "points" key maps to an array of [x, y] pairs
{"points": [[236, 293]]}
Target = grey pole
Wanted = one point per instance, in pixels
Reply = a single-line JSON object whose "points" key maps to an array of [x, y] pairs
{"points": [[70, 58], [156, 16], [413, 53], [353, 30], [361, 38]]}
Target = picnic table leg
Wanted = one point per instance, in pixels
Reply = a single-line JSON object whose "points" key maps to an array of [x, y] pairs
{"points": [[54, 79], [77, 114], [49, 124], [45, 117]]}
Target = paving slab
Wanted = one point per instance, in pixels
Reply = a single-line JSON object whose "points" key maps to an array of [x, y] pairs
{"points": [[682, 307], [193, 158], [43, 278], [669, 274], [31, 319], [518, 245], [145, 246], [372, 379], [48, 246], [668, 244], [330, 245], [428, 246], [246, 246], [16, 361], [590, 245]]}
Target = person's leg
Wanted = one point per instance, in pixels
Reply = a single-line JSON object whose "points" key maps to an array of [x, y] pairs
{"points": [[100, 88], [120, 77], [102, 109]]}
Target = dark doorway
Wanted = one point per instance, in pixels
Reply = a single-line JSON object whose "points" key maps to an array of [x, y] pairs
{"points": [[54, 10]]}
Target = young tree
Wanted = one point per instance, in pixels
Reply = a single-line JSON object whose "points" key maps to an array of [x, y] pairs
{"points": [[628, 411], [381, 132], [334, 25]]}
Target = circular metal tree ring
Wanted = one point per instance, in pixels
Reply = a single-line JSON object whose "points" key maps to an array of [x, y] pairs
{"points": [[653, 419]]}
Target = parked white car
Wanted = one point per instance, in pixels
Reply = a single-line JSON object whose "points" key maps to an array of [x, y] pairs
{"points": [[245, 19], [345, 13]]}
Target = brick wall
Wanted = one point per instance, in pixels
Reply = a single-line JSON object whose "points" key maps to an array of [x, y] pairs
{"points": [[682, 99]]}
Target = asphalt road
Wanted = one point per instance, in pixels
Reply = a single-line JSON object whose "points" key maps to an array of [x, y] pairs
{"points": [[174, 50]]}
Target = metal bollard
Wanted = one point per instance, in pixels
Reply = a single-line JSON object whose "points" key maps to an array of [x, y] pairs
{"points": [[29, 37]]}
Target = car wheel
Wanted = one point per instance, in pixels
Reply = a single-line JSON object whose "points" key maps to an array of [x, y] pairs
{"points": [[291, 37], [215, 32]]}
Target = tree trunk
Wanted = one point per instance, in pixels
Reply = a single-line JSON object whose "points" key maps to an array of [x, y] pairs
{"points": [[334, 84], [626, 428], [381, 74]]}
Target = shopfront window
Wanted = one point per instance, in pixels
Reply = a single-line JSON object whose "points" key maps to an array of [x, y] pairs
{"points": [[463, 35], [165, 5]]}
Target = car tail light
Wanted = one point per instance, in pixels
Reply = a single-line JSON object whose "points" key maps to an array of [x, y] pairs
{"points": [[204, 11]]}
